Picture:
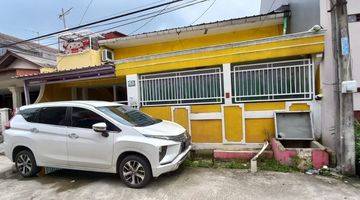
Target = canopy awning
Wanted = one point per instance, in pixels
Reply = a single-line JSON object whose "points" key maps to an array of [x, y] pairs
{"points": [[79, 74]]}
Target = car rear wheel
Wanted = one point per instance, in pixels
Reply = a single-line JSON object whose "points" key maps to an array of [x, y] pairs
{"points": [[26, 164], [135, 171]]}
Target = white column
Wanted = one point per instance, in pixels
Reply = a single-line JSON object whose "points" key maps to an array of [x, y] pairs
{"points": [[227, 83], [133, 90], [4, 117], [16, 96], [26, 93]]}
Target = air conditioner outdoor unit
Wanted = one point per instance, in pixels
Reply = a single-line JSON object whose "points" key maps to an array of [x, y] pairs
{"points": [[107, 55]]}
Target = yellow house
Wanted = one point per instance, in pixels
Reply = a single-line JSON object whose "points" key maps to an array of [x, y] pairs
{"points": [[222, 81]]}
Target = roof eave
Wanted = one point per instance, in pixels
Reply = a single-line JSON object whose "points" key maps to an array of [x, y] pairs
{"points": [[186, 29]]}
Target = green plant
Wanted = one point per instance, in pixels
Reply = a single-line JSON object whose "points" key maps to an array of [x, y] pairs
{"points": [[274, 165], [233, 164]]}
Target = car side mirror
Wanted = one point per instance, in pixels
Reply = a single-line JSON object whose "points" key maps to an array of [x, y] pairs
{"points": [[101, 128]]}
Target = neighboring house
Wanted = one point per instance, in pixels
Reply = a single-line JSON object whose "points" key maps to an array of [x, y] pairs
{"points": [[19, 60], [222, 81]]}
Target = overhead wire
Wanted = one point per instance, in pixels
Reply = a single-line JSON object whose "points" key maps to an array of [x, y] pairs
{"points": [[87, 8], [203, 12], [96, 22], [141, 19]]}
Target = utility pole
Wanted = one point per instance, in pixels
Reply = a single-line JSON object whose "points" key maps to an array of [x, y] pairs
{"points": [[63, 14], [346, 146]]}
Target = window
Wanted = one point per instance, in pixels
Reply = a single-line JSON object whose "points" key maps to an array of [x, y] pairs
{"points": [[284, 80], [83, 118], [129, 116], [183, 87], [53, 115], [30, 114]]}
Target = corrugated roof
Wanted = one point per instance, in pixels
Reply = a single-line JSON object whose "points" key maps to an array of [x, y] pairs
{"points": [[40, 61], [10, 39], [66, 71], [222, 23]]}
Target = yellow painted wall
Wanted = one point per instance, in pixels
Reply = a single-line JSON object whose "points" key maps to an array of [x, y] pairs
{"points": [[265, 106], [96, 82], [163, 112], [299, 107], [84, 59], [205, 108], [181, 117], [206, 131], [259, 130], [233, 121], [47, 69], [56, 92], [196, 42], [270, 50]]}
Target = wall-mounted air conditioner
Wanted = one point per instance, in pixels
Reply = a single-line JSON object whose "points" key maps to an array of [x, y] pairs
{"points": [[107, 55]]}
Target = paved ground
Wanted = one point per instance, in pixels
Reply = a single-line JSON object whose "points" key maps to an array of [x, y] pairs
{"points": [[187, 183]]}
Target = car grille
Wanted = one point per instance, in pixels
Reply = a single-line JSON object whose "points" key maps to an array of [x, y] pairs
{"points": [[184, 138]]}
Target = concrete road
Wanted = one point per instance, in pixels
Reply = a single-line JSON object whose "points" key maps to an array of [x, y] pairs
{"points": [[187, 183]]}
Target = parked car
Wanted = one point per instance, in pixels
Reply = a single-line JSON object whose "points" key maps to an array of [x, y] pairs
{"points": [[95, 136]]}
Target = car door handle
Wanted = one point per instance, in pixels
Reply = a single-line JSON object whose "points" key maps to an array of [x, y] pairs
{"points": [[73, 136], [34, 130]]}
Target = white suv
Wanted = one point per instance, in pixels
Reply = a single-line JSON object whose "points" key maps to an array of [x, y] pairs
{"points": [[95, 136]]}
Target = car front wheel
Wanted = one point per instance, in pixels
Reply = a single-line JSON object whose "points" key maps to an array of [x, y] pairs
{"points": [[26, 164], [135, 171]]}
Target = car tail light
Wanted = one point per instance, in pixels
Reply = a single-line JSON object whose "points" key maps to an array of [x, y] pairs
{"points": [[7, 125]]}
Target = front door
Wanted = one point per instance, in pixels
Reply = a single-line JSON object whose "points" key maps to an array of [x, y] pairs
{"points": [[87, 148]]}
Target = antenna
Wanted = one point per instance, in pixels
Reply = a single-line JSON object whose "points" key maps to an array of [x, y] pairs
{"points": [[63, 14]]}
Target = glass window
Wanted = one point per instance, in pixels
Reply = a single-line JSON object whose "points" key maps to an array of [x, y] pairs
{"points": [[30, 114], [128, 116], [53, 115], [84, 118]]}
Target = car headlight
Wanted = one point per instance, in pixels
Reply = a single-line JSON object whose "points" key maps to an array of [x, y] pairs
{"points": [[158, 137]]}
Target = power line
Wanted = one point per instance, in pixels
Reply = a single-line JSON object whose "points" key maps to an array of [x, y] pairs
{"points": [[141, 19], [147, 22], [87, 8], [143, 15], [96, 22], [204, 12]]}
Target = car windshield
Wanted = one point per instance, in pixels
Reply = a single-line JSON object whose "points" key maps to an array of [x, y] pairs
{"points": [[128, 116]]}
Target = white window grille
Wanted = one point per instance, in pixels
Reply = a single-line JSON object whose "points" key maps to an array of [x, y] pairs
{"points": [[183, 87], [284, 80]]}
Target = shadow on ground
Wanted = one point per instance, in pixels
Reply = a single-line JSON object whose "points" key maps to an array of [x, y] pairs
{"points": [[65, 180]]}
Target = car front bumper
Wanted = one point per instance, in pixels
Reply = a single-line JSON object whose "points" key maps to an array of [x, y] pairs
{"points": [[174, 165]]}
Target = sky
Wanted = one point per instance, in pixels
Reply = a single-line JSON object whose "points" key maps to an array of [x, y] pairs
{"points": [[28, 18]]}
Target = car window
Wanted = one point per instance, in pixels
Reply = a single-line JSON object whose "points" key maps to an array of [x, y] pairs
{"points": [[30, 114], [84, 118], [52, 115], [129, 116]]}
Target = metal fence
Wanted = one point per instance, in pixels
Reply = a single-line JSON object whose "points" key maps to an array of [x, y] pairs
{"points": [[183, 87], [283, 80]]}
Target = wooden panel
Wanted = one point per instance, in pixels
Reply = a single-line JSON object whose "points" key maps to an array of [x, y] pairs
{"points": [[233, 122], [206, 131]]}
